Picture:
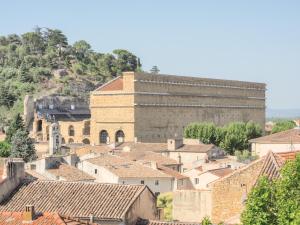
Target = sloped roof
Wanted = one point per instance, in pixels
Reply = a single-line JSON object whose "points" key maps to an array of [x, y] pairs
{"points": [[87, 149], [171, 172], [157, 222], [149, 156], [154, 147], [70, 173], [201, 148], [75, 199], [284, 137], [113, 85], [274, 161], [126, 168], [16, 218], [221, 172]]}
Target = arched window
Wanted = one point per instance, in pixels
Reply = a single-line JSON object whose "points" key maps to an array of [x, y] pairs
{"points": [[103, 137], [86, 128], [71, 131], [120, 136], [86, 141], [39, 125], [71, 141], [63, 141]]}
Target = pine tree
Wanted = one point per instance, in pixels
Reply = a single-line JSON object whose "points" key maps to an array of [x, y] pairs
{"points": [[22, 146], [24, 74], [154, 70], [15, 125]]}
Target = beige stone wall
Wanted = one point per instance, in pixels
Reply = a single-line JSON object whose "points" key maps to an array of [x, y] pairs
{"points": [[191, 205], [262, 149], [158, 107], [229, 193]]}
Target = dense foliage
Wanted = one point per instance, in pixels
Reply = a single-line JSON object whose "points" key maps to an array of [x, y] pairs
{"points": [[283, 125], [234, 136], [165, 201], [4, 149], [29, 63], [275, 202]]}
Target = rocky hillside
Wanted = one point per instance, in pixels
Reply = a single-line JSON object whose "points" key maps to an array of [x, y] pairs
{"points": [[42, 62]]}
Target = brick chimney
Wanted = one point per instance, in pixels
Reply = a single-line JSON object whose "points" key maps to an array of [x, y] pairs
{"points": [[28, 214]]}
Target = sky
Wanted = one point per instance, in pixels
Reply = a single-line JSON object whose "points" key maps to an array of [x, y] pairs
{"points": [[250, 40]]}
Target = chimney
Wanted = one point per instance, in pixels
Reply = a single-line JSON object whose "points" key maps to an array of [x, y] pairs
{"points": [[174, 144], [28, 214], [160, 212], [91, 218]]}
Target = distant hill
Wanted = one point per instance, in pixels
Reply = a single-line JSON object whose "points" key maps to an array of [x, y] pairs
{"points": [[42, 62], [283, 113]]}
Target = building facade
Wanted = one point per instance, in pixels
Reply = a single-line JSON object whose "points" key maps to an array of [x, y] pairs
{"points": [[153, 108]]}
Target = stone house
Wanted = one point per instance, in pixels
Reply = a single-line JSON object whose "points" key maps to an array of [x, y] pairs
{"points": [[284, 141], [145, 107], [107, 204], [115, 169]]}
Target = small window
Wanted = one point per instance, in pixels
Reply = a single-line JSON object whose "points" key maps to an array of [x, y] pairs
{"points": [[96, 171], [123, 182], [156, 182], [142, 182], [196, 180]]}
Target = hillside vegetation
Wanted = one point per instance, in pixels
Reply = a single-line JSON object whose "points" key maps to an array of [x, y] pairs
{"points": [[42, 62]]}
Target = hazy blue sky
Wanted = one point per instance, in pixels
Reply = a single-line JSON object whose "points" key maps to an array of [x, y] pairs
{"points": [[244, 40]]}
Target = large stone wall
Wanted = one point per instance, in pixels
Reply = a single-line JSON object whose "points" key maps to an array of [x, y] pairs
{"points": [[158, 107], [191, 205], [230, 192]]}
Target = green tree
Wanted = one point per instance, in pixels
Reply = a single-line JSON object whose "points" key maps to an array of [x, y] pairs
{"points": [[154, 70], [125, 61], [283, 125], [260, 206], [22, 146], [288, 193], [16, 124], [4, 149], [82, 49], [165, 201], [23, 74]]}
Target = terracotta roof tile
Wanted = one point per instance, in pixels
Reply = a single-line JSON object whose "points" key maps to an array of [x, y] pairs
{"points": [[92, 149], [149, 156], [113, 85], [222, 172], [156, 222], [172, 172], [288, 136], [76, 199], [126, 168], [70, 173]]}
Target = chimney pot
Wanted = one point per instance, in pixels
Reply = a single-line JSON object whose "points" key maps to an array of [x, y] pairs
{"points": [[28, 214]]}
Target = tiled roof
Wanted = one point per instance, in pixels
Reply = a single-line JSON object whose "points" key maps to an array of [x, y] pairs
{"points": [[154, 147], [126, 168], [113, 85], [171, 172], [16, 218], [222, 172], [70, 173], [92, 149], [33, 175], [149, 156], [157, 222], [274, 161], [75, 199], [201, 148], [287, 137]]}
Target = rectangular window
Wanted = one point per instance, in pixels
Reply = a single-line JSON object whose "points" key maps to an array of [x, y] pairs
{"points": [[196, 180], [156, 182], [96, 171], [142, 182]]}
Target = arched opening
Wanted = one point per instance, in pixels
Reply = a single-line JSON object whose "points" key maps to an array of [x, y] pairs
{"points": [[63, 141], [71, 131], [86, 128], [71, 141], [39, 126], [86, 141], [103, 137], [120, 136]]}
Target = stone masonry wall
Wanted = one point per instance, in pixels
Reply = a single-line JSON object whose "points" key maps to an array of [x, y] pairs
{"points": [[229, 193]]}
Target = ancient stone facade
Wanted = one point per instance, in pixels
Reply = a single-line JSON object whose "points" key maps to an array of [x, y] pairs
{"points": [[72, 115], [152, 108]]}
